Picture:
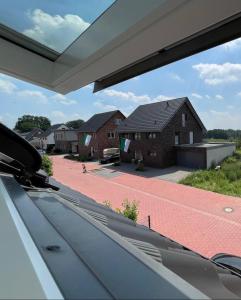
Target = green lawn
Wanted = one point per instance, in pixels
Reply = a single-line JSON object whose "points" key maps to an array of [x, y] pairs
{"points": [[226, 181]]}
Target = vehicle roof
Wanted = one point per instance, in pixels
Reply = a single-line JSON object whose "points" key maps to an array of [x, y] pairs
{"points": [[109, 256]]}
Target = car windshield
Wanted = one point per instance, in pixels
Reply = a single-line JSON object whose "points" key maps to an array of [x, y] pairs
{"points": [[144, 146]]}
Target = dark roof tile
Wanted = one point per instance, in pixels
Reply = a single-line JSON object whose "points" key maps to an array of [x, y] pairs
{"points": [[155, 116], [97, 121]]}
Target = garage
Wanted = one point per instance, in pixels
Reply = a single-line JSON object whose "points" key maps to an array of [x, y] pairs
{"points": [[204, 155]]}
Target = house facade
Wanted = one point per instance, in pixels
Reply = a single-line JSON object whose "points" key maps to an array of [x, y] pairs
{"points": [[47, 138], [66, 140], [102, 129], [156, 129]]}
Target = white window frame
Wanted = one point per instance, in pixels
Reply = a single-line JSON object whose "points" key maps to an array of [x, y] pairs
{"points": [[137, 136], [191, 137], [183, 120], [111, 135], [177, 139]]}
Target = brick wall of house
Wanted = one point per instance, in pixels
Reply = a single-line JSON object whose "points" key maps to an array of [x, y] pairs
{"points": [[100, 140], [164, 142]]}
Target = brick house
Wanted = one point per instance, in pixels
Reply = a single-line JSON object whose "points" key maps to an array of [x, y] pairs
{"points": [[155, 129], [102, 128]]}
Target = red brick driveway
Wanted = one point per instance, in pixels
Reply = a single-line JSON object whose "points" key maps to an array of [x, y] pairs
{"points": [[192, 217]]}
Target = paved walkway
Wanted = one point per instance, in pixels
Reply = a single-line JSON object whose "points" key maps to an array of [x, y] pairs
{"points": [[190, 216]]}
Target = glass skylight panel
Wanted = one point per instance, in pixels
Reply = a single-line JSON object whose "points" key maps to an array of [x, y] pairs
{"points": [[55, 24]]}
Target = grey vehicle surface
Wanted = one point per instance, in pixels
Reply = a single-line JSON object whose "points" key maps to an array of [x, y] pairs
{"points": [[54, 231]]}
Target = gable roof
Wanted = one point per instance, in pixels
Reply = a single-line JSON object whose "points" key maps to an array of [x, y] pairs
{"points": [[51, 129], [33, 133], [97, 121], [155, 116]]}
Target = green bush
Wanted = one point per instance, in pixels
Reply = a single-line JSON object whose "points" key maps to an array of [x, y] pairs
{"points": [[130, 209], [47, 165]]}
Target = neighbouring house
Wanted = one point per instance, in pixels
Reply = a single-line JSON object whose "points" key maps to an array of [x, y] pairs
{"points": [[47, 138], [168, 133], [33, 137], [101, 133], [66, 140], [155, 129]]}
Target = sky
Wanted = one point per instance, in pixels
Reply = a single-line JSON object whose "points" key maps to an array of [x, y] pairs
{"points": [[211, 79]]}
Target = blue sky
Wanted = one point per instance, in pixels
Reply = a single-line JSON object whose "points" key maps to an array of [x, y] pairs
{"points": [[211, 79]]}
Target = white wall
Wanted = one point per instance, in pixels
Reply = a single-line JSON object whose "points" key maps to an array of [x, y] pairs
{"points": [[50, 137], [216, 155]]}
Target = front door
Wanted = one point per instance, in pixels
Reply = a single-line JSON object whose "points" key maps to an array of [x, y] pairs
{"points": [[138, 155]]}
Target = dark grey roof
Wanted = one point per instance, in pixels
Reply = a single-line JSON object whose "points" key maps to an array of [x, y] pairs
{"points": [[51, 129], [107, 256], [97, 121], [155, 116], [36, 132]]}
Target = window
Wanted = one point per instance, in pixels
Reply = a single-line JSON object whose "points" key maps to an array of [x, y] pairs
{"points": [[137, 136], [151, 135], [111, 135], [117, 121], [152, 153], [177, 139], [184, 119], [191, 137]]}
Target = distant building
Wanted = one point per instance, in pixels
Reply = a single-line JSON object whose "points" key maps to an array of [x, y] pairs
{"points": [[66, 140], [155, 129], [47, 138], [100, 130], [33, 137]]}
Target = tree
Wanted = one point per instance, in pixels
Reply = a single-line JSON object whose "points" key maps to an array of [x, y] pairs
{"points": [[27, 123], [75, 123]]}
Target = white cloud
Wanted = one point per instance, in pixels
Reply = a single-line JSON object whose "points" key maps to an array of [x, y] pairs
{"points": [[34, 95], [195, 95], [6, 86], [176, 77], [132, 97], [219, 97], [63, 99], [207, 96], [136, 78], [221, 119], [215, 74], [58, 116], [104, 107], [55, 31], [232, 45]]}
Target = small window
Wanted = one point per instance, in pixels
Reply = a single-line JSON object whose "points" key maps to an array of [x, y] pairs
{"points": [[191, 137], [151, 135], [111, 135], [152, 153], [137, 136], [177, 139], [117, 121], [184, 119]]}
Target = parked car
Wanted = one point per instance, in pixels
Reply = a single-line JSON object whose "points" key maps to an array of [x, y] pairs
{"points": [[110, 155]]}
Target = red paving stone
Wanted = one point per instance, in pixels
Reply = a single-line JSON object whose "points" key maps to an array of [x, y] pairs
{"points": [[190, 216]]}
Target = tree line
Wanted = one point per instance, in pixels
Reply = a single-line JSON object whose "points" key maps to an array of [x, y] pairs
{"points": [[224, 134], [28, 122]]}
